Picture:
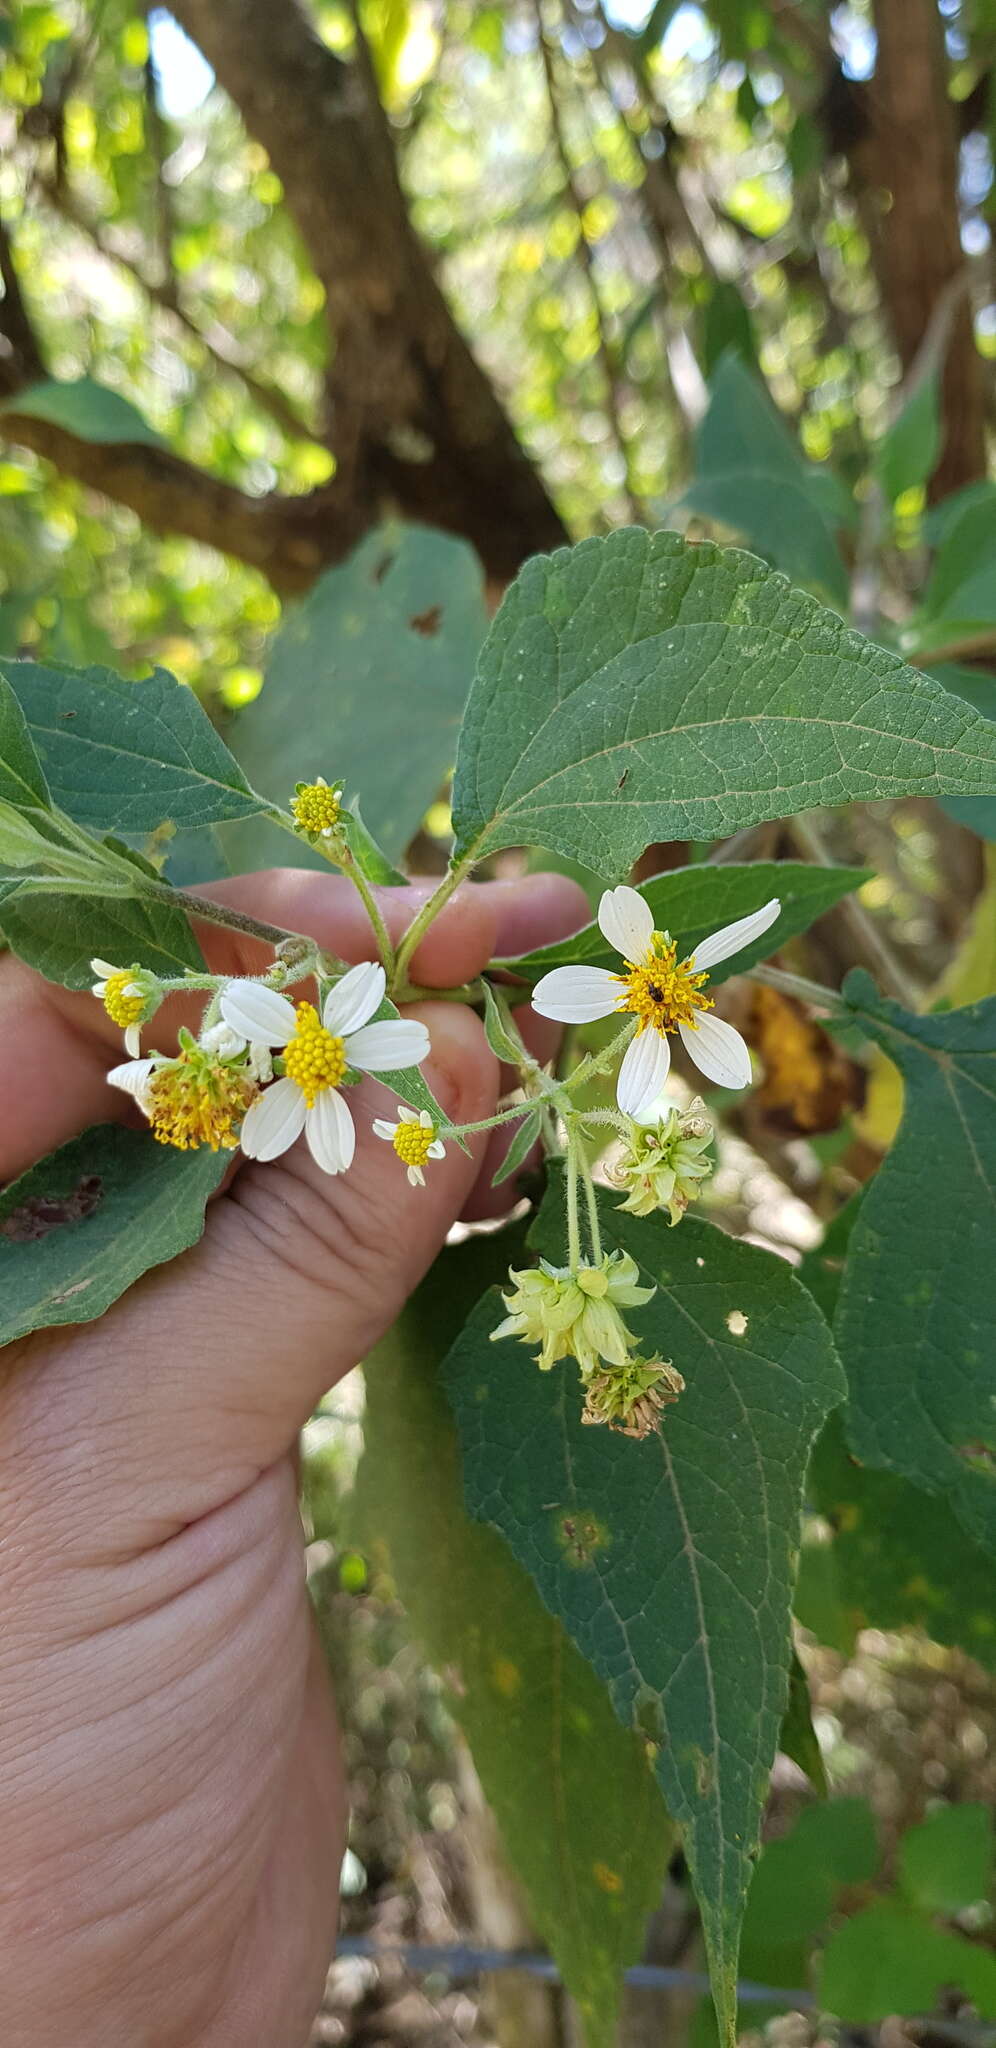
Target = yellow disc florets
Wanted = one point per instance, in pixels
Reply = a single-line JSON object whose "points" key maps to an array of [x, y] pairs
{"points": [[660, 990], [123, 999], [316, 806], [199, 1099], [412, 1141], [314, 1058]]}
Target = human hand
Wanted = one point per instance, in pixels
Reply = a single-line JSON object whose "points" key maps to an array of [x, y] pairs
{"points": [[173, 1805]]}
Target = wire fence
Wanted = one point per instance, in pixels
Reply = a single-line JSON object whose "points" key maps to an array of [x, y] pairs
{"points": [[431, 1958]]}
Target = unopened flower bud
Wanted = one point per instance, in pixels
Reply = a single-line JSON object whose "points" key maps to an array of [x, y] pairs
{"points": [[663, 1162], [575, 1315]]}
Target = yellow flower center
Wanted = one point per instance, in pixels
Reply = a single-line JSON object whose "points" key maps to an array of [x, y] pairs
{"points": [[123, 1009], [315, 807], [411, 1142], [199, 1100], [314, 1057], [661, 990]]}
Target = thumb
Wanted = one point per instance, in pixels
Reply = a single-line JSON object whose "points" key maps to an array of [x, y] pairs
{"points": [[204, 1373]]}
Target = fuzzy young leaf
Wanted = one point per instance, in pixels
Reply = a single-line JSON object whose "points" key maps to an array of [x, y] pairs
{"points": [[22, 781], [500, 1030], [692, 902], [83, 1225], [367, 681], [60, 934], [122, 757], [639, 688], [581, 1817], [918, 1298], [669, 1562], [369, 857], [522, 1144]]}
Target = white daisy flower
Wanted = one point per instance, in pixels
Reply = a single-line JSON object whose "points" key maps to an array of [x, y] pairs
{"points": [[316, 1054], [414, 1140], [663, 993]]}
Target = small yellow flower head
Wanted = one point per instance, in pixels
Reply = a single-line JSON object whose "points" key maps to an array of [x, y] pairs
{"points": [[575, 1315], [630, 1399], [198, 1098], [317, 808], [663, 1164], [415, 1139], [130, 995], [315, 1058]]}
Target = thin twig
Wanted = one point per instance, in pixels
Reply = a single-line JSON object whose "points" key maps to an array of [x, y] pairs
{"points": [[220, 346], [876, 950], [605, 349]]}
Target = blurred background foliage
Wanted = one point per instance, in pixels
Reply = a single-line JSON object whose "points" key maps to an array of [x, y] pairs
{"points": [[270, 276]]}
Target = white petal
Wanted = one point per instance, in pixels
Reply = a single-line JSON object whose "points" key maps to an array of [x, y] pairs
{"points": [[380, 1048], [406, 1115], [99, 989], [437, 1149], [643, 1072], [103, 967], [576, 995], [133, 1040], [257, 1012], [132, 1077], [273, 1121], [222, 1039], [354, 999], [733, 937], [382, 1129], [330, 1132], [626, 921], [718, 1050], [416, 1178]]}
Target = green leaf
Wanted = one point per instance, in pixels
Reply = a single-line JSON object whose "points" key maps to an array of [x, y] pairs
{"points": [[918, 1299], [977, 687], [692, 902], [798, 1736], [909, 449], [85, 408], [672, 1575], [579, 1811], [946, 1864], [28, 839], [368, 678], [122, 757], [500, 1030], [522, 1144], [369, 857], [83, 1225], [639, 688], [750, 475], [22, 781], [61, 934], [888, 1959]]}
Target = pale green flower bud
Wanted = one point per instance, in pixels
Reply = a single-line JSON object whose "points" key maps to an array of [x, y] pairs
{"points": [[663, 1163], [575, 1315]]}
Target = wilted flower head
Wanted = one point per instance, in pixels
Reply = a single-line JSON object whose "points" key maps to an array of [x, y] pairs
{"points": [[575, 1315], [630, 1398], [663, 1161], [198, 1098]]}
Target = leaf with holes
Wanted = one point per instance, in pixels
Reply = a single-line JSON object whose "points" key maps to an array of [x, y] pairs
{"points": [[123, 757], [86, 1223], [367, 681], [639, 688], [670, 1562], [581, 1817], [917, 1302], [692, 902]]}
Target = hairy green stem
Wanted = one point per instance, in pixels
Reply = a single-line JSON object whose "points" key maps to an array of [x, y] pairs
{"points": [[354, 873], [573, 1226], [427, 915], [592, 1202]]}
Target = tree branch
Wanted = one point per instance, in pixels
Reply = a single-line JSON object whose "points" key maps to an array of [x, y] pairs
{"points": [[606, 350], [416, 420], [21, 359]]}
